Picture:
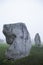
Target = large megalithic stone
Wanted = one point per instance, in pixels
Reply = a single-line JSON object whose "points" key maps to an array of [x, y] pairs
{"points": [[37, 40], [19, 39]]}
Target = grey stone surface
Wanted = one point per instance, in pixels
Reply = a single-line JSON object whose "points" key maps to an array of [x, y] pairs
{"points": [[37, 40], [19, 39]]}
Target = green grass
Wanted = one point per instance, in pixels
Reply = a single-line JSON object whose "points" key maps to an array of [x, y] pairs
{"points": [[35, 57]]}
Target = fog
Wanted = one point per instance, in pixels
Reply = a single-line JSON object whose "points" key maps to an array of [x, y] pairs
{"points": [[29, 12]]}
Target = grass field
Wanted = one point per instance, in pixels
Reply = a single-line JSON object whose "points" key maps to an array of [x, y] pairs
{"points": [[35, 57]]}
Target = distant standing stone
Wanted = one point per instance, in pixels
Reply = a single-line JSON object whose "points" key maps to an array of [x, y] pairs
{"points": [[37, 40], [19, 39]]}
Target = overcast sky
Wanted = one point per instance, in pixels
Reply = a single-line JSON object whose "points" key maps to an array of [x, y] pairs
{"points": [[28, 11]]}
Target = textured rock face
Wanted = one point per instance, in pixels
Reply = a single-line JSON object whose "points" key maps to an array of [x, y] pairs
{"points": [[19, 39], [37, 39]]}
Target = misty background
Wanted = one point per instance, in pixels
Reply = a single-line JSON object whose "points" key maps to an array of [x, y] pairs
{"points": [[29, 12]]}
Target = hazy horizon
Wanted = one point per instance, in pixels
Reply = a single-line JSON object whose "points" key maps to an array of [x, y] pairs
{"points": [[29, 12]]}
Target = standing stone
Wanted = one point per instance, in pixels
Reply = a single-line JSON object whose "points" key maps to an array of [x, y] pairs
{"points": [[37, 40], [19, 39]]}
